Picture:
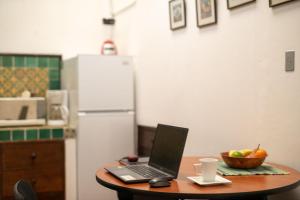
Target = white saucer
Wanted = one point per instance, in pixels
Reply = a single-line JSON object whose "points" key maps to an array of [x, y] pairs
{"points": [[218, 180]]}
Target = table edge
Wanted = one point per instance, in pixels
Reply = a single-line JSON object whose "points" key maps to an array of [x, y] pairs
{"points": [[198, 195]]}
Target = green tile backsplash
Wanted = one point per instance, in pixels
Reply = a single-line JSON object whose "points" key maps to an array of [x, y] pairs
{"points": [[20, 72], [54, 85], [43, 62], [20, 134], [32, 134], [57, 133], [7, 61], [19, 61], [31, 61], [17, 135], [54, 62], [44, 134], [36, 73], [4, 135], [54, 74]]}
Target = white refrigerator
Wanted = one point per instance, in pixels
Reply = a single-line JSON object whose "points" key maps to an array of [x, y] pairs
{"points": [[101, 101]]}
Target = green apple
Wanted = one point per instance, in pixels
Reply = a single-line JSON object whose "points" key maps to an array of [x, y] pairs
{"points": [[235, 154], [231, 152]]}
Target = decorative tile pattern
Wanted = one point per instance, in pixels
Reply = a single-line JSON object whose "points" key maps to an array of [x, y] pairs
{"points": [[32, 72], [14, 81]]}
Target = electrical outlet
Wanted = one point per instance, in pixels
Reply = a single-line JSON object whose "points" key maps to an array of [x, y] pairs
{"points": [[289, 61]]}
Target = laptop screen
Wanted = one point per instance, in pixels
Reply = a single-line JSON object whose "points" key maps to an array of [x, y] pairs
{"points": [[168, 148]]}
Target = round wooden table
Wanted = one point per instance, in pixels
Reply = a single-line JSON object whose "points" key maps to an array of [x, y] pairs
{"points": [[256, 187]]}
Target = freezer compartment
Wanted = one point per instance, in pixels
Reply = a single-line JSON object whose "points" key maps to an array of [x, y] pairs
{"points": [[101, 138], [100, 83], [105, 83]]}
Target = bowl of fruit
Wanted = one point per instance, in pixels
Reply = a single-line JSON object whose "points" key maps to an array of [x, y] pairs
{"points": [[245, 158]]}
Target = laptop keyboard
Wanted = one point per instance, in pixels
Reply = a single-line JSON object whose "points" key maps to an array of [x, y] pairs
{"points": [[146, 171]]}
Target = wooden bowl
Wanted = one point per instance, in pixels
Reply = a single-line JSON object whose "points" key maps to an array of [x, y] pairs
{"points": [[242, 163]]}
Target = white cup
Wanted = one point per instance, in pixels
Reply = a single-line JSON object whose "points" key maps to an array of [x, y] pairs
{"points": [[207, 168]]}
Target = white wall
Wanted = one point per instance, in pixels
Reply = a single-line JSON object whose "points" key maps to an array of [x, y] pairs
{"points": [[225, 82], [66, 27]]}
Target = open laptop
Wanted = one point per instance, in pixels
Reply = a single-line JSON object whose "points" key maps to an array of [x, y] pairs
{"points": [[164, 160]]}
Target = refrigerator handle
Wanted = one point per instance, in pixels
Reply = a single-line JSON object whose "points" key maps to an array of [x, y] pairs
{"points": [[107, 111]]}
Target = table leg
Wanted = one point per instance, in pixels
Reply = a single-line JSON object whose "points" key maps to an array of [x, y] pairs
{"points": [[125, 195]]}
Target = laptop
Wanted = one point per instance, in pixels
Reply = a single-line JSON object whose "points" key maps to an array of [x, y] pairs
{"points": [[164, 161]]}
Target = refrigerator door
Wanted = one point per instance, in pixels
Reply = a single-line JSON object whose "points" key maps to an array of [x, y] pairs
{"points": [[105, 83], [102, 138]]}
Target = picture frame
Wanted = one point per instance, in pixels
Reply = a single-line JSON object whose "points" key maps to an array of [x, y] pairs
{"points": [[231, 4], [177, 12], [206, 12], [273, 3]]}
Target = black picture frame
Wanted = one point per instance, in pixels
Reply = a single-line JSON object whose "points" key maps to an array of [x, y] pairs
{"points": [[206, 14], [231, 4], [274, 3], [177, 13]]}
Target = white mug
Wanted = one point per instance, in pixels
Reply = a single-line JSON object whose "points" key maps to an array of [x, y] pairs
{"points": [[207, 168]]}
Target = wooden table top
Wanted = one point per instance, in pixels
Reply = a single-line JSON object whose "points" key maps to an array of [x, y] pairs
{"points": [[184, 188]]}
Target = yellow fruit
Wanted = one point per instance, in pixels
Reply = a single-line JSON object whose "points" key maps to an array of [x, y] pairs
{"points": [[246, 152], [231, 152]]}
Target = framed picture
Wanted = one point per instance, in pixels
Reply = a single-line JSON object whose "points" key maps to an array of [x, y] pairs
{"points": [[177, 14], [273, 3], [237, 3], [206, 12]]}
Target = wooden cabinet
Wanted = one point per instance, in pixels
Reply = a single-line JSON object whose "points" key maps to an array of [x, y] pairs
{"points": [[42, 163]]}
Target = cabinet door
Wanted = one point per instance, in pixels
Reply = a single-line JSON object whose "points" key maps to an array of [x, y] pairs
{"points": [[48, 179], [28, 155], [41, 163], [11, 177]]}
